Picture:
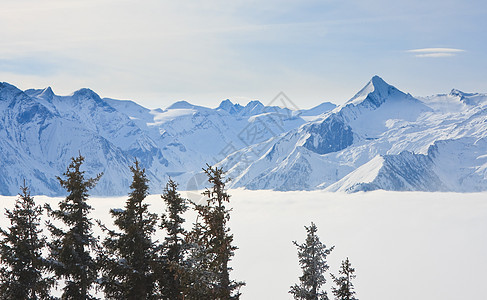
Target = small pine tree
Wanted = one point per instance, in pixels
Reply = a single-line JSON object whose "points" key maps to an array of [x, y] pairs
{"points": [[344, 286], [212, 247], [71, 246], [129, 257], [174, 245], [23, 267], [312, 259]]}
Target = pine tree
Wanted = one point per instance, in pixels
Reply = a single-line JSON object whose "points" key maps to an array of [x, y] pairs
{"points": [[344, 286], [212, 247], [197, 274], [174, 246], [129, 256], [23, 267], [312, 259], [71, 245]]}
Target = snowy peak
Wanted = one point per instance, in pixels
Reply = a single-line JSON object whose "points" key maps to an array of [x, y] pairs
{"points": [[253, 108], [460, 94], [11, 95], [225, 105], [378, 82], [319, 109], [471, 99], [46, 94], [85, 93], [7, 91], [375, 92], [229, 107], [380, 139], [365, 116], [6, 85], [253, 104], [456, 93], [181, 105], [85, 101]]}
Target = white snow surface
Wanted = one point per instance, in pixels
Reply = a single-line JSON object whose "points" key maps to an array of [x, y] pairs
{"points": [[40, 131], [403, 245], [435, 143], [363, 174]]}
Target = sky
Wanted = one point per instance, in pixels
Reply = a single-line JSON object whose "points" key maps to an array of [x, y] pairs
{"points": [[156, 52]]}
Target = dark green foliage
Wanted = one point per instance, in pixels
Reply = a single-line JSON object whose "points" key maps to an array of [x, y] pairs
{"points": [[187, 265], [197, 276], [344, 287], [174, 246], [71, 245], [23, 267], [212, 248], [130, 256], [312, 259]]}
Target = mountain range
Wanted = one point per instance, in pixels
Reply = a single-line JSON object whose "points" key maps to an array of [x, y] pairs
{"points": [[382, 138]]}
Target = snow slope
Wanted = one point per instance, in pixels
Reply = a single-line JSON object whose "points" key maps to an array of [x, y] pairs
{"points": [[382, 138], [41, 131]]}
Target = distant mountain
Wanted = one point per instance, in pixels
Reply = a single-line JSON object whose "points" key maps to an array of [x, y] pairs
{"points": [[382, 138], [41, 131], [317, 110]]}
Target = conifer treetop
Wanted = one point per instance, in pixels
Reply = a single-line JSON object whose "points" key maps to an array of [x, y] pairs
{"points": [[312, 259], [23, 270], [344, 289], [71, 245], [128, 259]]}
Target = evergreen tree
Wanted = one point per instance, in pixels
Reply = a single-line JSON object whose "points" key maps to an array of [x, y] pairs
{"points": [[212, 247], [129, 255], [23, 267], [312, 259], [344, 287], [174, 245], [71, 244], [197, 274]]}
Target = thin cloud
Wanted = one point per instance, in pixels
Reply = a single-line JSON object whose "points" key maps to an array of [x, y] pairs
{"points": [[435, 52]]}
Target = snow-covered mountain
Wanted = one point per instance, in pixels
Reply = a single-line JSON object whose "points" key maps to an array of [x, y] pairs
{"points": [[382, 138], [41, 131]]}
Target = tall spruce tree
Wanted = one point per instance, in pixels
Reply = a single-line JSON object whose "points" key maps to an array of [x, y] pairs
{"points": [[23, 272], [198, 275], [174, 245], [129, 256], [212, 247], [312, 259], [72, 244], [344, 289]]}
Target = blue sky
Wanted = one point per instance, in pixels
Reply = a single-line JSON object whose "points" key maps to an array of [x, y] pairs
{"points": [[158, 52]]}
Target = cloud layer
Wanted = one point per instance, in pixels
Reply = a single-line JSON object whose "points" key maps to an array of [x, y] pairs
{"points": [[435, 52]]}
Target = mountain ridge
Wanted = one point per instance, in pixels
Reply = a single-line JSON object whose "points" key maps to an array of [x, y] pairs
{"points": [[382, 138], [378, 121]]}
